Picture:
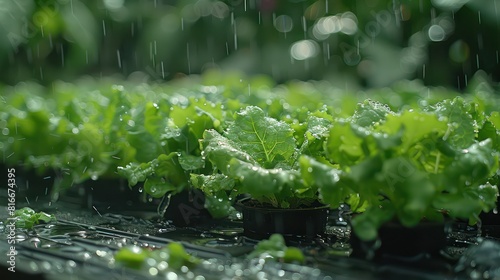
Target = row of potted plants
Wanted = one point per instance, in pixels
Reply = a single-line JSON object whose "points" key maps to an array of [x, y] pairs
{"points": [[409, 166], [419, 156]]}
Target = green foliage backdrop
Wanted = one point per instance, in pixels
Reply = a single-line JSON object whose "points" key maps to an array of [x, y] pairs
{"points": [[353, 42]]}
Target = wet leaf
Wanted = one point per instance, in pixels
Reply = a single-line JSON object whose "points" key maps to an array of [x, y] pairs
{"points": [[457, 113], [164, 166], [343, 146], [325, 178], [158, 187], [178, 257], [131, 256], [366, 224], [220, 150], [27, 217], [173, 253], [265, 139], [275, 248], [369, 113], [215, 187], [190, 162]]}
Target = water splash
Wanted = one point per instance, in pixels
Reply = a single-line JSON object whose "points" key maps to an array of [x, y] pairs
{"points": [[163, 206]]}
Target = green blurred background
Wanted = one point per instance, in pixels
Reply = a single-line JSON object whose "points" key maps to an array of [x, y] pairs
{"points": [[367, 43]]}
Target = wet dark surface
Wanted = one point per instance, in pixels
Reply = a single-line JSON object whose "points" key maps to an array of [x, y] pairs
{"points": [[82, 243]]}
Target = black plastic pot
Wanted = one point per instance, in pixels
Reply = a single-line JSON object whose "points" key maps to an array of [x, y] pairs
{"points": [[260, 222], [187, 208], [490, 222], [396, 241]]}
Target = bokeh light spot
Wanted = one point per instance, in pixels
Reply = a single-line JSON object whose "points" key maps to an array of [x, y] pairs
{"points": [[436, 33], [113, 4], [283, 23], [304, 49]]}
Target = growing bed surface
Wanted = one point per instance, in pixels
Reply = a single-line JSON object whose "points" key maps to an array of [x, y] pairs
{"points": [[82, 244]]}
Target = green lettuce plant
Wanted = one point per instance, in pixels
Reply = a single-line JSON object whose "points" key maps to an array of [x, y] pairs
{"points": [[409, 166], [258, 156], [229, 135]]}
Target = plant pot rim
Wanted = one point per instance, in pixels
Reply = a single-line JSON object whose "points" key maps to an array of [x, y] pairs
{"points": [[244, 203], [262, 222]]}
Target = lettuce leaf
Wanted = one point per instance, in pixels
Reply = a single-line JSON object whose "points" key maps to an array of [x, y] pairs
{"points": [[267, 140]]}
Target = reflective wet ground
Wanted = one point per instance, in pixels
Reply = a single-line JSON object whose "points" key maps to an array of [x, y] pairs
{"points": [[82, 243]]}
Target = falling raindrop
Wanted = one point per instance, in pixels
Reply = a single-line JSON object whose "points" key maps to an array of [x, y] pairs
{"points": [[328, 50], [96, 210], [119, 59], [188, 61], [104, 28], [235, 38], [62, 55], [151, 56], [304, 26], [162, 71]]}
